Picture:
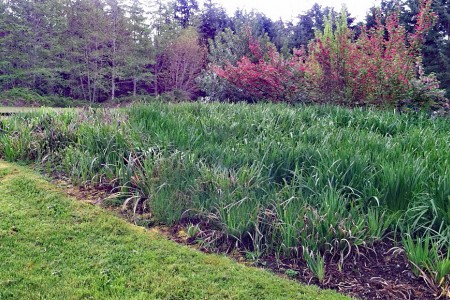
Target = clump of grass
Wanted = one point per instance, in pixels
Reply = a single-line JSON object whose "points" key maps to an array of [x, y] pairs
{"points": [[429, 261], [316, 263]]}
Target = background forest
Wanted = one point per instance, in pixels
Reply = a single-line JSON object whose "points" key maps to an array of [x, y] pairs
{"points": [[99, 50]]}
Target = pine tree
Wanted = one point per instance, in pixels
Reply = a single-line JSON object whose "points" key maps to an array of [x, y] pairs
{"points": [[213, 19], [303, 31], [119, 42], [165, 28], [141, 51], [184, 11]]}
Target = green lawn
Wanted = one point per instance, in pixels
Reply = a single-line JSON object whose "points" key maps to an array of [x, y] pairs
{"points": [[15, 109], [52, 247], [12, 109]]}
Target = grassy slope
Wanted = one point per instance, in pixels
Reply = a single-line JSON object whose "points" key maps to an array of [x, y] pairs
{"points": [[55, 248]]}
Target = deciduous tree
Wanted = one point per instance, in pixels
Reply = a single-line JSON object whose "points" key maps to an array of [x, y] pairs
{"points": [[182, 63]]}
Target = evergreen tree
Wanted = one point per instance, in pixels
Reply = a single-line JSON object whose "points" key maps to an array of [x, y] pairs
{"points": [[184, 11], [89, 36], [119, 42], [141, 52], [30, 49], [280, 34], [165, 28], [436, 51], [213, 19], [303, 31]]}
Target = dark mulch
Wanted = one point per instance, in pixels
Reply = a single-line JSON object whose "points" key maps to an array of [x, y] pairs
{"points": [[377, 272]]}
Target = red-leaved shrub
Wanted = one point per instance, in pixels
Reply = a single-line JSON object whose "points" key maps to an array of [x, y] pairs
{"points": [[378, 68], [268, 76]]}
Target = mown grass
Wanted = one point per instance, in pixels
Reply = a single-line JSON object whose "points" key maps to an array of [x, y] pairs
{"points": [[54, 248], [5, 109], [295, 182]]}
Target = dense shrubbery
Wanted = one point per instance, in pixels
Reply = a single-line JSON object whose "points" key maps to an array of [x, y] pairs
{"points": [[270, 77], [26, 97], [105, 50], [227, 48], [304, 183], [382, 67]]}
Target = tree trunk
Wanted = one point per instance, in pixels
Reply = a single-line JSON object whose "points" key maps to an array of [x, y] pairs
{"points": [[156, 81], [113, 70]]}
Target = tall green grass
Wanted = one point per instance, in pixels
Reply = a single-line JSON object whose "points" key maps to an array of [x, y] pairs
{"points": [[300, 182]]}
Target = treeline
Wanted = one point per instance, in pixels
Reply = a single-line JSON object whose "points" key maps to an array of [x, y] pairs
{"points": [[97, 50]]}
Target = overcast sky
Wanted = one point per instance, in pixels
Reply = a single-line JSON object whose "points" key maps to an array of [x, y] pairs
{"points": [[289, 9]]}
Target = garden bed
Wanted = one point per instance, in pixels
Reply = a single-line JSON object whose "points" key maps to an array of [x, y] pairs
{"points": [[357, 198]]}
